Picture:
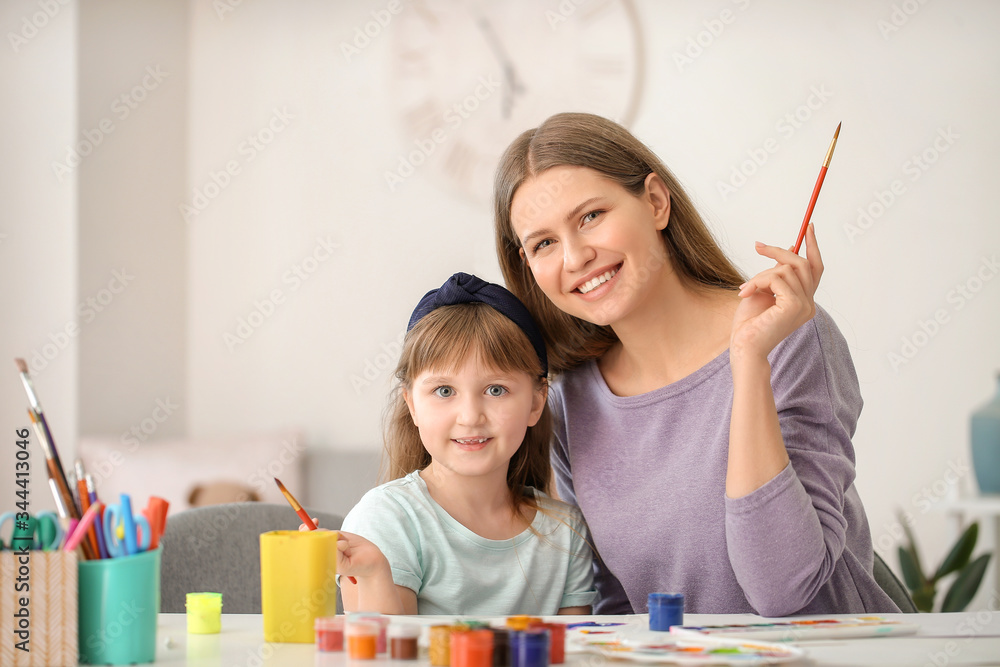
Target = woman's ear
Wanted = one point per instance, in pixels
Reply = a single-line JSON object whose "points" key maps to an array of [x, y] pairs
{"points": [[658, 196]]}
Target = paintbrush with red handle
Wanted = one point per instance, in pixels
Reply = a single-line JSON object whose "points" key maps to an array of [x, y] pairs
{"points": [[304, 515], [816, 188]]}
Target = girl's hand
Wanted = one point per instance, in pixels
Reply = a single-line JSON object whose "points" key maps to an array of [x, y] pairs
{"points": [[776, 301], [357, 557]]}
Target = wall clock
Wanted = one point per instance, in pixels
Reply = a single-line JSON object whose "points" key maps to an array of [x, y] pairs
{"points": [[468, 76]]}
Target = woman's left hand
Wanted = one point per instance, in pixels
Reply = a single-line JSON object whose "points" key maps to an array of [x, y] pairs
{"points": [[776, 301]]}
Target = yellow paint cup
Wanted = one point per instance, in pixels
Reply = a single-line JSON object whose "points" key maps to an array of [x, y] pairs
{"points": [[297, 582], [204, 613]]}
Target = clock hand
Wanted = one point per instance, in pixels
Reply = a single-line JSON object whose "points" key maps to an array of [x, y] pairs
{"points": [[514, 85]]}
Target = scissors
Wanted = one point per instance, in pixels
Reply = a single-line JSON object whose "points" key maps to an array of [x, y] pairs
{"points": [[43, 530], [132, 526]]}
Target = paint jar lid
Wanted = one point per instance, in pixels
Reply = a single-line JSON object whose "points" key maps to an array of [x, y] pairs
{"points": [[328, 623], [361, 628], [666, 599], [403, 630], [481, 639], [534, 637], [203, 601]]}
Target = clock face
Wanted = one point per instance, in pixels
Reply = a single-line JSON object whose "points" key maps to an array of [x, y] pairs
{"points": [[468, 76]]}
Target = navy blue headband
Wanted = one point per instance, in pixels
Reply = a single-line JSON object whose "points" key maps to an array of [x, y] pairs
{"points": [[464, 288]]}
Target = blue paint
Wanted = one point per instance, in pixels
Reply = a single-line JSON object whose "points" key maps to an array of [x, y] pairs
{"points": [[665, 610], [529, 648]]}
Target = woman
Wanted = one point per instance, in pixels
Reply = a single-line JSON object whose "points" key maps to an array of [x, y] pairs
{"points": [[703, 422]]}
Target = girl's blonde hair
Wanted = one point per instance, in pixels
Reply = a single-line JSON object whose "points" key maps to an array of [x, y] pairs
{"points": [[586, 140], [444, 339]]}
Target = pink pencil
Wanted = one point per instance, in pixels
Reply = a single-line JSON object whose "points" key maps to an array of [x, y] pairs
{"points": [[75, 537]]}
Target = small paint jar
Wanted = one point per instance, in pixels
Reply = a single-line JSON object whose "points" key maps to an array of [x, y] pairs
{"points": [[557, 641], [521, 622], [329, 633], [381, 621], [665, 610], [204, 613], [402, 639], [361, 636], [439, 650], [529, 648], [473, 648], [501, 647]]}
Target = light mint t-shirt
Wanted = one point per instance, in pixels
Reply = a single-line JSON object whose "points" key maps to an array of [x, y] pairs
{"points": [[454, 571]]}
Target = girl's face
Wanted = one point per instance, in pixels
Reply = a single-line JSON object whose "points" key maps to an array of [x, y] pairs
{"points": [[473, 419], [594, 249]]}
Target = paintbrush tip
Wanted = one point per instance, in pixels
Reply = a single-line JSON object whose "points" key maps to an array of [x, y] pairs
{"points": [[22, 366], [837, 133], [280, 485]]}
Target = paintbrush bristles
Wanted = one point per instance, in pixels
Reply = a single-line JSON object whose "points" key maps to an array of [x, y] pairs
{"points": [[288, 496], [833, 144], [22, 365]]}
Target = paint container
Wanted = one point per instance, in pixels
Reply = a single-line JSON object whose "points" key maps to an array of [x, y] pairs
{"points": [[330, 634], [501, 647], [439, 651], [361, 637], [378, 619], [557, 641], [521, 622], [403, 641], [665, 610], [529, 648], [204, 613], [473, 648]]}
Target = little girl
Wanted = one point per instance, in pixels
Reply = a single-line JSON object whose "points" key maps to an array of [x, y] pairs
{"points": [[465, 526]]}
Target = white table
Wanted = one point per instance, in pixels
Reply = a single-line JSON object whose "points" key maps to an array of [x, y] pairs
{"points": [[969, 638]]}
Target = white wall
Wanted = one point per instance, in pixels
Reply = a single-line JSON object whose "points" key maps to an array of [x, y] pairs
{"points": [[38, 242], [338, 129]]}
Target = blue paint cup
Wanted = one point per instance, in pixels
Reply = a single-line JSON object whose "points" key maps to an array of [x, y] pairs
{"points": [[665, 609], [529, 648]]}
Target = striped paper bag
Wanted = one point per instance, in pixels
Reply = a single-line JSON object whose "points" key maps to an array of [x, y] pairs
{"points": [[38, 594]]}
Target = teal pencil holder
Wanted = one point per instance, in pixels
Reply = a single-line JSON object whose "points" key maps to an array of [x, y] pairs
{"points": [[118, 606]]}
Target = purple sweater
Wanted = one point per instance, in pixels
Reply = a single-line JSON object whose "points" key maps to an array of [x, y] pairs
{"points": [[649, 474]]}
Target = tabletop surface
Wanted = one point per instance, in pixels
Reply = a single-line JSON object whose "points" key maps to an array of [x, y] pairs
{"points": [[968, 638]]}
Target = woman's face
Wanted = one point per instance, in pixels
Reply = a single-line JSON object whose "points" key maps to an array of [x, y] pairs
{"points": [[594, 249]]}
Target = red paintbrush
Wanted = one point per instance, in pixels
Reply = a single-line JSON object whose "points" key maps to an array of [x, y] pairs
{"points": [[304, 515], [816, 188]]}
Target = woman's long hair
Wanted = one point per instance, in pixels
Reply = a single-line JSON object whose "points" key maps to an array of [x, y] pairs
{"points": [[586, 140]]}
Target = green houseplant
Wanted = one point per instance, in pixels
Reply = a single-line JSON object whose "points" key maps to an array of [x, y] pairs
{"points": [[923, 588]]}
